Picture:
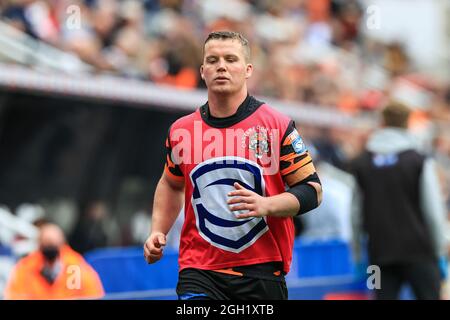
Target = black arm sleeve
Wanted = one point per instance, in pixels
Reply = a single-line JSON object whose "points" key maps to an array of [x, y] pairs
{"points": [[306, 194]]}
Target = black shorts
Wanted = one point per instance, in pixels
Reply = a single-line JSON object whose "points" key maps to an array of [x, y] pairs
{"points": [[255, 282]]}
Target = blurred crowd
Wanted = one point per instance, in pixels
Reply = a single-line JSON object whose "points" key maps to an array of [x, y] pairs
{"points": [[312, 51], [309, 51]]}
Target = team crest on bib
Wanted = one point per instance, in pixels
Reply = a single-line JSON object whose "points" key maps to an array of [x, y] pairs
{"points": [[212, 180], [258, 140]]}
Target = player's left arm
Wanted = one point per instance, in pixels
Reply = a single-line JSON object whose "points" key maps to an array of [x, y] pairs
{"points": [[298, 172]]}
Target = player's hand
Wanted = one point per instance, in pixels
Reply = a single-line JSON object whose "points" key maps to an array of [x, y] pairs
{"points": [[244, 199], [153, 247]]}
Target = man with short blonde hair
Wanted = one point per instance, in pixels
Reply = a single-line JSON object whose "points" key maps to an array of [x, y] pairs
{"points": [[229, 162]]}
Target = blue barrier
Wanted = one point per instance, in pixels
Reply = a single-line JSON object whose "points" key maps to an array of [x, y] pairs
{"points": [[318, 268], [125, 269], [323, 258]]}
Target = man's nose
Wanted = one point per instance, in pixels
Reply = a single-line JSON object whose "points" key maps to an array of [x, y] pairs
{"points": [[221, 66]]}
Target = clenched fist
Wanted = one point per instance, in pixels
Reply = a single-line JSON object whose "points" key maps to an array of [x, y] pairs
{"points": [[153, 247]]}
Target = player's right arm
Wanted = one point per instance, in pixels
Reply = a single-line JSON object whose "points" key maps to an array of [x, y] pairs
{"points": [[167, 203]]}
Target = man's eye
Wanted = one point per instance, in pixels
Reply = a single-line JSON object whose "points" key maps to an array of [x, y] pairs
{"points": [[231, 59]]}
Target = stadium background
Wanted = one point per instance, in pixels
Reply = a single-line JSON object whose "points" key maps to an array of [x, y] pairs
{"points": [[88, 90]]}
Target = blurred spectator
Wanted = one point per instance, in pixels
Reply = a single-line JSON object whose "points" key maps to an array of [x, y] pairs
{"points": [[16, 16], [348, 16], [54, 271], [181, 58], [403, 210], [95, 229], [395, 59]]}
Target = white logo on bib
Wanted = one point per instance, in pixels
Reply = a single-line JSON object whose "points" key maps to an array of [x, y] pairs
{"points": [[212, 180]]}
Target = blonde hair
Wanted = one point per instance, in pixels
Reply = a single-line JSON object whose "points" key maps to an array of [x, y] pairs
{"points": [[230, 35]]}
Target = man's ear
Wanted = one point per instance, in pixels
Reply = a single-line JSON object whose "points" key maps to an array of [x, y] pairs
{"points": [[249, 71], [201, 72]]}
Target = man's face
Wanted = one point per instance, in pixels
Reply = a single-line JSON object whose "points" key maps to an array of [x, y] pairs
{"points": [[224, 68], [51, 235]]}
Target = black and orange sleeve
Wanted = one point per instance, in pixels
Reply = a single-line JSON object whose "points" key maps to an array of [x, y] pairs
{"points": [[171, 168], [297, 169], [295, 162]]}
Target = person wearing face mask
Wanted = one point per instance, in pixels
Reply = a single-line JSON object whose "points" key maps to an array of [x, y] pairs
{"points": [[54, 271]]}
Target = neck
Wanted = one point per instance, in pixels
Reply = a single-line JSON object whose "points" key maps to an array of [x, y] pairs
{"points": [[222, 106]]}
